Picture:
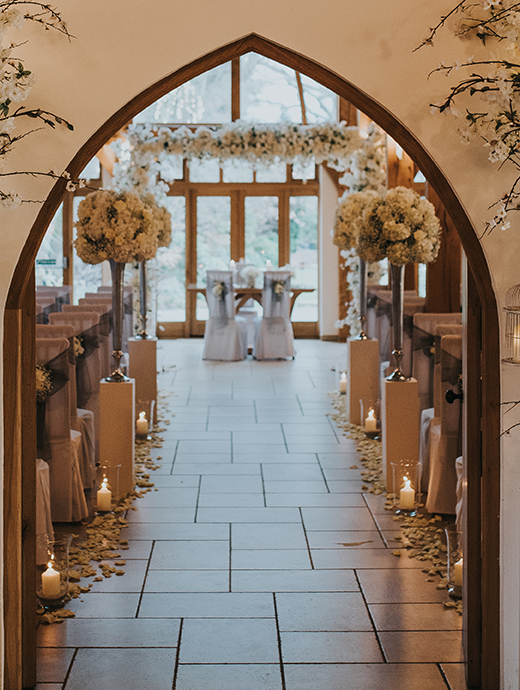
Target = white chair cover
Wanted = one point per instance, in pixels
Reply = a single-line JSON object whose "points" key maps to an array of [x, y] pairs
{"points": [[61, 293], [424, 328], [274, 338], [48, 305], [80, 419], [59, 442], [44, 528], [88, 367], [445, 432], [224, 337], [104, 330]]}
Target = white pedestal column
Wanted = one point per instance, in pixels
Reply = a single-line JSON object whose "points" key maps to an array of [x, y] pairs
{"points": [[400, 418], [142, 367], [363, 376], [117, 430]]}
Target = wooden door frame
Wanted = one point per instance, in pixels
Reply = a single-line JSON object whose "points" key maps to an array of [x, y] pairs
{"points": [[19, 394]]}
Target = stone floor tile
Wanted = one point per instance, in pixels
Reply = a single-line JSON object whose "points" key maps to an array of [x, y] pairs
{"points": [[342, 474], [258, 437], [143, 515], [239, 484], [344, 540], [340, 459], [270, 559], [168, 480], [175, 531], [403, 585], [294, 581], [131, 581], [322, 612], [295, 487], [363, 677], [186, 555], [229, 677], [110, 632], [137, 550], [344, 486], [53, 664], [187, 581], [207, 605], [105, 605], [194, 459], [260, 450], [415, 617], [297, 471], [229, 641], [363, 558], [330, 647], [248, 515], [316, 500], [232, 500], [422, 647], [268, 536], [122, 669], [337, 519], [169, 497], [200, 447], [275, 459]]}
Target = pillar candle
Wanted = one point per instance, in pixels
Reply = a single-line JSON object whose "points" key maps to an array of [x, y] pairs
{"points": [[406, 496], [371, 421], [141, 426], [343, 383], [104, 497], [51, 587], [457, 573]]}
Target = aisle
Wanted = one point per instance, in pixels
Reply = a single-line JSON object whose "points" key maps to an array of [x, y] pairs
{"points": [[260, 564]]}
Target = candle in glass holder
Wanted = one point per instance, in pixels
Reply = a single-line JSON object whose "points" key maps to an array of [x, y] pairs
{"points": [[268, 265], [457, 573], [343, 383], [51, 587], [371, 421], [406, 496], [141, 426], [104, 496], [231, 265]]}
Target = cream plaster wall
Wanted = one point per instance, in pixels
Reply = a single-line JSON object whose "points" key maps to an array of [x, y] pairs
{"points": [[123, 46]]}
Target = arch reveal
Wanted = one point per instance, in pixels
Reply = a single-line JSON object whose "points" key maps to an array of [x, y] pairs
{"points": [[482, 383]]}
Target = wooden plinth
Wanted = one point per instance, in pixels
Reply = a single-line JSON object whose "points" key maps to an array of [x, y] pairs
{"points": [[400, 418], [363, 376], [116, 430], [142, 368]]}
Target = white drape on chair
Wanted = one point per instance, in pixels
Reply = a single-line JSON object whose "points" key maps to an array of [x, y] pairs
{"points": [[59, 442], [225, 337], [105, 339], [274, 338]]}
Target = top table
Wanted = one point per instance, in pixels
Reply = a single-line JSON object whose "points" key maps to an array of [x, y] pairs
{"points": [[243, 294]]}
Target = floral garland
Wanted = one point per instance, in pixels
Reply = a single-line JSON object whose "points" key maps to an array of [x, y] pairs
{"points": [[43, 382], [400, 226], [487, 99], [333, 143], [15, 85], [115, 226]]}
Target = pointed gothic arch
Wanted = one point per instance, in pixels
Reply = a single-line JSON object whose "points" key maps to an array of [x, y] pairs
{"points": [[482, 382]]}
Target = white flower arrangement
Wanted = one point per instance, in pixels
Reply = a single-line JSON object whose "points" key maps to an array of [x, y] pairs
{"points": [[162, 220], [43, 382], [349, 217], [367, 169], [400, 226], [115, 226], [249, 273], [486, 99], [219, 290]]}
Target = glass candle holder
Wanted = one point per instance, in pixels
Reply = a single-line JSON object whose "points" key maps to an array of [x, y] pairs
{"points": [[107, 488], [455, 574], [52, 586], [371, 417], [144, 410], [406, 483], [342, 385]]}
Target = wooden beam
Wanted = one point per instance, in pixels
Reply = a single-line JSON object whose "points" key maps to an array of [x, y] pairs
{"points": [[235, 89], [443, 276], [348, 113]]}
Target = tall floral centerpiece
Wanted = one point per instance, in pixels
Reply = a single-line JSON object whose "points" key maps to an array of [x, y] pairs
{"points": [[402, 227], [347, 227], [119, 228], [162, 222]]}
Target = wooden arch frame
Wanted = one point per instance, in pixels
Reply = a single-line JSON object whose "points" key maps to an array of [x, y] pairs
{"points": [[484, 384]]}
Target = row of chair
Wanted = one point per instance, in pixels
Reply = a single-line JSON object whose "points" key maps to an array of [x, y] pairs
{"points": [[226, 334]]}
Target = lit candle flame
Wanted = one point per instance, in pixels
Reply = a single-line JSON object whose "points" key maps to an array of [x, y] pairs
{"points": [[371, 413], [142, 416], [343, 375]]}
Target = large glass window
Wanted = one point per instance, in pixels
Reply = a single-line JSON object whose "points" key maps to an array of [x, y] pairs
{"points": [[268, 91], [49, 261], [206, 98], [304, 255], [213, 241], [261, 230], [171, 266]]}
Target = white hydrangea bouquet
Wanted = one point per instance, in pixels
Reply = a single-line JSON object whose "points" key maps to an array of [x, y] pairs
{"points": [[161, 218], [349, 217], [400, 226], [249, 273], [117, 226]]}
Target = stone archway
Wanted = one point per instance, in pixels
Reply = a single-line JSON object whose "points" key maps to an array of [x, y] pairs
{"points": [[482, 385]]}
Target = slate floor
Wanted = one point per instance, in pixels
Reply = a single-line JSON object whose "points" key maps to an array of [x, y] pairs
{"points": [[259, 564]]}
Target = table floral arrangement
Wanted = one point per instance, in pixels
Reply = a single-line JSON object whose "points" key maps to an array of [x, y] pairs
{"points": [[117, 226], [43, 382], [249, 273], [400, 226]]}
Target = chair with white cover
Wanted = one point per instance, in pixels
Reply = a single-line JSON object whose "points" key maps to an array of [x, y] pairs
{"points": [[58, 444], [274, 337], [104, 330], [88, 366], [80, 419], [445, 432], [225, 337], [60, 292]]}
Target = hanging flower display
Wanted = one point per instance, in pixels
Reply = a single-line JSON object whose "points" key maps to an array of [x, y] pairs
{"points": [[400, 226], [116, 226]]}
